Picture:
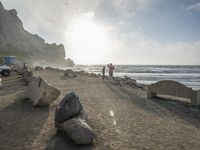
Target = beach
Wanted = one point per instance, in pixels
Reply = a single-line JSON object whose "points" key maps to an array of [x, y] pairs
{"points": [[121, 116]]}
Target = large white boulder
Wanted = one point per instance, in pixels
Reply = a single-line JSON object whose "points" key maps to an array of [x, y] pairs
{"points": [[41, 92]]}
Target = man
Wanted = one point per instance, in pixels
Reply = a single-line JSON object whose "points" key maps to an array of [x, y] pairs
{"points": [[111, 68], [103, 72]]}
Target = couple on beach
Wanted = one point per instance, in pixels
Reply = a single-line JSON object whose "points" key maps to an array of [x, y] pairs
{"points": [[111, 68]]}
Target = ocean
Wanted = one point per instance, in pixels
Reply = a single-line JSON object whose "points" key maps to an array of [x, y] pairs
{"points": [[145, 74]]}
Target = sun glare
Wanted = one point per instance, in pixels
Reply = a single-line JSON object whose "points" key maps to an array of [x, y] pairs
{"points": [[88, 40]]}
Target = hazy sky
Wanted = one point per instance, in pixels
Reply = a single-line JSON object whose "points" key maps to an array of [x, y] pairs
{"points": [[118, 31]]}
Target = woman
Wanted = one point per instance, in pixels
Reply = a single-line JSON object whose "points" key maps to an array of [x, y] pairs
{"points": [[111, 68]]}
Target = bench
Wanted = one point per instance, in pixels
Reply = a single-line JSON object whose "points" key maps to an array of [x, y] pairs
{"points": [[173, 88]]}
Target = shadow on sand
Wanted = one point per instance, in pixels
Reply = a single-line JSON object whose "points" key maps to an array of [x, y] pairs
{"points": [[59, 142], [20, 123], [12, 84], [159, 106]]}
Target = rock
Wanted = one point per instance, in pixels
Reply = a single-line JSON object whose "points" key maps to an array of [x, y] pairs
{"points": [[79, 131], [70, 119], [133, 83], [38, 68], [130, 81], [70, 73], [50, 68], [42, 93], [93, 75], [82, 115], [68, 108]]}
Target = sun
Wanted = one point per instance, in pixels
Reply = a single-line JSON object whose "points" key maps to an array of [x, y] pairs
{"points": [[88, 41]]}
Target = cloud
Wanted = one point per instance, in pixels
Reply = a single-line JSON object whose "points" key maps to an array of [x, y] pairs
{"points": [[137, 48], [112, 11], [129, 43], [195, 6]]}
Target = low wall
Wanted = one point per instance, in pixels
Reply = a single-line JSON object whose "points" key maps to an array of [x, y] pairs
{"points": [[173, 88]]}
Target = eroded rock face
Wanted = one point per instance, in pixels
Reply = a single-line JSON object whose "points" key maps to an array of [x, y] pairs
{"points": [[79, 131], [42, 93], [68, 108]]}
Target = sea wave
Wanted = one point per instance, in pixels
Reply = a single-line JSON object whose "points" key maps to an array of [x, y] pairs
{"points": [[188, 75]]}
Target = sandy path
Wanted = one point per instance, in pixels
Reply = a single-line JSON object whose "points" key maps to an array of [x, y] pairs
{"points": [[121, 116]]}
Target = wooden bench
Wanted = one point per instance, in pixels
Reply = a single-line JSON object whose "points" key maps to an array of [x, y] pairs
{"points": [[175, 89]]}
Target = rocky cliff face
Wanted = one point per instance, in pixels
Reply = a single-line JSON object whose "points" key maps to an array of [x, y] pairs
{"points": [[15, 40]]}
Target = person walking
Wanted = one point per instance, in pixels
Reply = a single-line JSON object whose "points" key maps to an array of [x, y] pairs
{"points": [[111, 68], [103, 72]]}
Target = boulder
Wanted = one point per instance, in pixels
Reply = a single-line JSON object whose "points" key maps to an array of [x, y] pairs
{"points": [[70, 119], [42, 93], [70, 73], [68, 108], [133, 83], [81, 115], [50, 68], [38, 68], [79, 131]]}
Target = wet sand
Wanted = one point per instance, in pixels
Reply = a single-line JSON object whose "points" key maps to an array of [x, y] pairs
{"points": [[122, 117]]}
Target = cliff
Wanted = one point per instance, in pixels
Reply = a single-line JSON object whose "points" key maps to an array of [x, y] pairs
{"points": [[31, 48]]}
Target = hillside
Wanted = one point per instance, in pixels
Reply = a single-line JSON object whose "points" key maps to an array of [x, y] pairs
{"points": [[31, 48]]}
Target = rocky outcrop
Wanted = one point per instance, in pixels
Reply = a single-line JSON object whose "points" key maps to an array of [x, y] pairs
{"points": [[41, 93], [15, 40]]}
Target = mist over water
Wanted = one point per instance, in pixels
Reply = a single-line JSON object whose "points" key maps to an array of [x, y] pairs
{"points": [[188, 75]]}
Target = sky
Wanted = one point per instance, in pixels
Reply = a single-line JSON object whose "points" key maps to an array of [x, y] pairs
{"points": [[151, 32]]}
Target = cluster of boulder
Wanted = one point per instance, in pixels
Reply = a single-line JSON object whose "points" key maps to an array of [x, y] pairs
{"points": [[128, 81], [70, 119], [71, 73]]}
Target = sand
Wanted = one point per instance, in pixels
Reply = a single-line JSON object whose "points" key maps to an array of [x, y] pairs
{"points": [[122, 117]]}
